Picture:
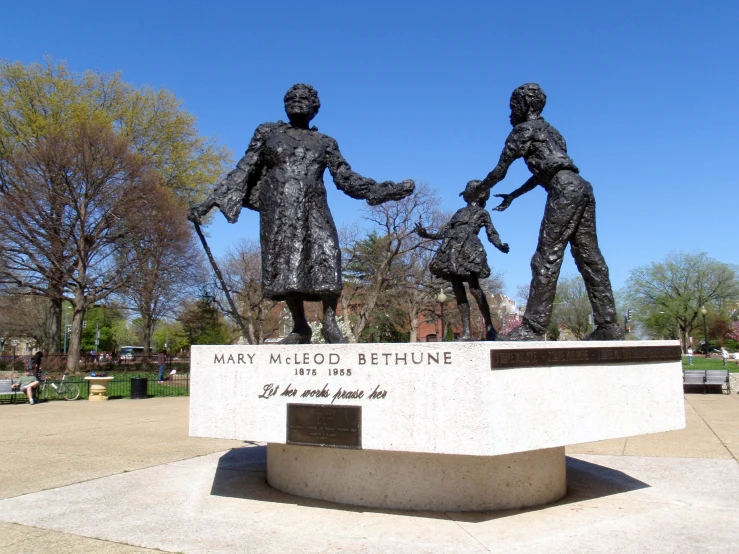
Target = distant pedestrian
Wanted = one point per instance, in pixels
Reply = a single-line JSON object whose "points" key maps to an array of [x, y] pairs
{"points": [[736, 357], [161, 362], [36, 364], [690, 356], [724, 354]]}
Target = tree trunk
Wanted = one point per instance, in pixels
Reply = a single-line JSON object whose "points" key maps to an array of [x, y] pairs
{"points": [[147, 329], [52, 325], [414, 324], [75, 340]]}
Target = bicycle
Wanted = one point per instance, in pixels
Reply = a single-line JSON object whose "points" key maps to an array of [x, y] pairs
{"points": [[68, 391]]}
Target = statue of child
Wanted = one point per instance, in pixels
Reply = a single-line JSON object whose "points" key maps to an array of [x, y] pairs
{"points": [[461, 257]]}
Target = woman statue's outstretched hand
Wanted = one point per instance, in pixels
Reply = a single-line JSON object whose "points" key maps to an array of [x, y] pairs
{"points": [[507, 199]]}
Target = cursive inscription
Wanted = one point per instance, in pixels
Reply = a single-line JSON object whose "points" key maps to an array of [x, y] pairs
{"points": [[271, 389]]}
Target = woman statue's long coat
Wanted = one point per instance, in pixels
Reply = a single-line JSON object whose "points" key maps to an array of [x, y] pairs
{"points": [[281, 176]]}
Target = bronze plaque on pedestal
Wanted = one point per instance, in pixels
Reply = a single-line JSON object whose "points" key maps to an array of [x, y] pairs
{"points": [[598, 355], [324, 425]]}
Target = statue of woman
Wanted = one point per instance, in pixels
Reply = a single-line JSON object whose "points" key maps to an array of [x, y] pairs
{"points": [[461, 257], [281, 177]]}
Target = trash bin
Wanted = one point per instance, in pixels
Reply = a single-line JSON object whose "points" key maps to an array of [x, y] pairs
{"points": [[138, 387]]}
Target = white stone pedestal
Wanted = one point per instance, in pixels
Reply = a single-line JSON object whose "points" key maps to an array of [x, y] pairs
{"points": [[437, 426], [418, 481]]}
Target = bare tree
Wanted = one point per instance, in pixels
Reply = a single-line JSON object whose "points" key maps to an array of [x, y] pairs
{"points": [[243, 275], [70, 208], [167, 261], [372, 260], [22, 316]]}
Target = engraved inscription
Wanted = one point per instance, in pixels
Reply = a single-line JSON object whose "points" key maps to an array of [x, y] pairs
{"points": [[324, 425], [546, 357]]}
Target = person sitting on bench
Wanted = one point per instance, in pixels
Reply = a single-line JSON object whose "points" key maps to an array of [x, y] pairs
{"points": [[26, 383]]}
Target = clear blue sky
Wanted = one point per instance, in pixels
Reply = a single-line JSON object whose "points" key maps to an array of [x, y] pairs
{"points": [[645, 93]]}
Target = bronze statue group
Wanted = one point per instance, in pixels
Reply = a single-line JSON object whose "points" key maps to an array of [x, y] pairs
{"points": [[281, 177]]}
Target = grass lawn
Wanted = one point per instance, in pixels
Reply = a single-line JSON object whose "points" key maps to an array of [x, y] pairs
{"points": [[714, 362]]}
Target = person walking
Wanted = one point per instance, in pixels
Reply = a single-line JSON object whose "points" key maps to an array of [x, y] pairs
{"points": [[161, 362], [690, 356], [36, 364], [724, 354]]}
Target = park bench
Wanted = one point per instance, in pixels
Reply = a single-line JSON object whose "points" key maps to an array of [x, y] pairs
{"points": [[718, 377], [5, 389], [704, 378]]}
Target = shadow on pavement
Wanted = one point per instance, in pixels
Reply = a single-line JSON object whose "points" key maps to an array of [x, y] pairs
{"points": [[242, 473]]}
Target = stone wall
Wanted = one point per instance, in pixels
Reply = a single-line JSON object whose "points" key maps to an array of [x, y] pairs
{"points": [[734, 382]]}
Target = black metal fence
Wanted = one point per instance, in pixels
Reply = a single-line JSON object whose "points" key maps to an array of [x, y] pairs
{"points": [[120, 386], [18, 364], [57, 363]]}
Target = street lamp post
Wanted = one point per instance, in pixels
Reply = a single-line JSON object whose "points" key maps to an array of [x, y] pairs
{"points": [[441, 298], [705, 330]]}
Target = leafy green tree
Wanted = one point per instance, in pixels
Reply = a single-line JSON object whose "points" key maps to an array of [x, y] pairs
{"points": [[202, 323], [553, 331], [38, 99], [666, 297], [381, 329], [100, 319], [123, 334], [169, 335], [42, 100], [572, 309]]}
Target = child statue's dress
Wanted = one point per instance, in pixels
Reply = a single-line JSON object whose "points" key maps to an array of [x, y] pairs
{"points": [[461, 254]]}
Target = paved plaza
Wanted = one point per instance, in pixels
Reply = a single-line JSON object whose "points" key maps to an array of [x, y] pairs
{"points": [[123, 476]]}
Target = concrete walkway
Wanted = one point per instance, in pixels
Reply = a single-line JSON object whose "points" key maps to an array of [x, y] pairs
{"points": [[123, 476]]}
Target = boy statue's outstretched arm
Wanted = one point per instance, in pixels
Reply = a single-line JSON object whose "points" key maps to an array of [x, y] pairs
{"points": [[515, 146], [508, 198]]}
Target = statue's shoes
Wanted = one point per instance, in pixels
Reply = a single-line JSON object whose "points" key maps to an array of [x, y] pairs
{"points": [[333, 336], [609, 331], [521, 333], [297, 338]]}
